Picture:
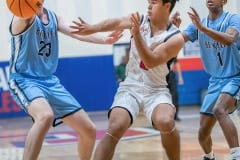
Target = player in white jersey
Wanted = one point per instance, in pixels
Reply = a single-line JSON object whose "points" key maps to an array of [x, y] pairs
{"points": [[154, 42], [35, 87]]}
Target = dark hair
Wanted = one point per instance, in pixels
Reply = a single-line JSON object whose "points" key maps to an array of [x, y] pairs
{"points": [[173, 2]]}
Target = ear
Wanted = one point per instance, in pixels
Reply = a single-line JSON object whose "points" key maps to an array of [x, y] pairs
{"points": [[168, 5]]}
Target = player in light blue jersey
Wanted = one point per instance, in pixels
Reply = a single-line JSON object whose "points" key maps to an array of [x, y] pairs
{"points": [[37, 90], [218, 36]]}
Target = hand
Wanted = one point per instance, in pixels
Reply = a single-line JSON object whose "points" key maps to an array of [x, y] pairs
{"points": [[180, 81], [175, 19], [82, 28], [195, 18], [136, 22], [113, 37]]}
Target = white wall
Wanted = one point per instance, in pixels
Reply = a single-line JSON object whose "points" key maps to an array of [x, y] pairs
{"points": [[94, 11]]}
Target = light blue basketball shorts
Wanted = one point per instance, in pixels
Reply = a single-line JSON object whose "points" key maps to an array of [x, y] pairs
{"points": [[25, 89], [217, 86]]}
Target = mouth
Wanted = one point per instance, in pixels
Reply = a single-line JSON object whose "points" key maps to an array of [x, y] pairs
{"points": [[149, 13], [210, 3]]}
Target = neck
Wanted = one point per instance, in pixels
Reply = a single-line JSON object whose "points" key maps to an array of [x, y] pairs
{"points": [[159, 26], [215, 14]]}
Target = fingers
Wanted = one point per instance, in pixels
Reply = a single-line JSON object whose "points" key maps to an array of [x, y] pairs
{"points": [[81, 20], [135, 19], [194, 11]]}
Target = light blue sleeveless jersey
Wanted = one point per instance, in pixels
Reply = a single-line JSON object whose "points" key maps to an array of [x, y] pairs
{"points": [[35, 51], [219, 60]]}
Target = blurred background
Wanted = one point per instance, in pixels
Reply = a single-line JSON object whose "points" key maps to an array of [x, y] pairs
{"points": [[88, 70]]}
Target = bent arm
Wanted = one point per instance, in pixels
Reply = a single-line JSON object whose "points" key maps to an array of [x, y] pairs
{"points": [[227, 38], [161, 53]]}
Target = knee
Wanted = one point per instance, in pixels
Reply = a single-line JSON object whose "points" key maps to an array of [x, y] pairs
{"points": [[219, 112], [45, 119], [164, 123], [117, 129]]}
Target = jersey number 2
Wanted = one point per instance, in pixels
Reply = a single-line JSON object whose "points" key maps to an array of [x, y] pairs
{"points": [[45, 49]]}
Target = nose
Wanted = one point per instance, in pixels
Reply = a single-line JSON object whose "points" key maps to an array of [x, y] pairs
{"points": [[149, 6]]}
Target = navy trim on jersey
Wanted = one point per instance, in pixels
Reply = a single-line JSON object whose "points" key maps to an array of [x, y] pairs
{"points": [[168, 37]]}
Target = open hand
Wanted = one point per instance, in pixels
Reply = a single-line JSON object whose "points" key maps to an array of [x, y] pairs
{"points": [[82, 28], [195, 18], [136, 22], [175, 19], [114, 37]]}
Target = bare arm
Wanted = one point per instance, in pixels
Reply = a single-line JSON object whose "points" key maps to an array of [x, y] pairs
{"points": [[176, 20], [82, 28], [94, 38], [227, 38], [158, 54], [19, 25], [161, 53], [179, 72]]}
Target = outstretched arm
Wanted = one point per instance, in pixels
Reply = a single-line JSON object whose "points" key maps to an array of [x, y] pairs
{"points": [[227, 38], [82, 28], [94, 38]]}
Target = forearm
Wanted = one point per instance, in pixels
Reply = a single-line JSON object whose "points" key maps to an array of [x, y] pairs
{"points": [[144, 51], [224, 38], [93, 38], [113, 24]]}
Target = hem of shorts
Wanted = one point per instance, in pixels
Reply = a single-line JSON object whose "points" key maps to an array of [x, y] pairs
{"points": [[56, 124], [131, 117], [205, 113]]}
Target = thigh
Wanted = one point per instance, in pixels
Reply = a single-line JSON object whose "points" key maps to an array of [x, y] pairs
{"points": [[226, 102], [24, 91], [161, 100], [79, 121], [127, 101], [39, 107]]}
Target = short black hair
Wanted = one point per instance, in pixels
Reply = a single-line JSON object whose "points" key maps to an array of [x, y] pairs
{"points": [[173, 2]]}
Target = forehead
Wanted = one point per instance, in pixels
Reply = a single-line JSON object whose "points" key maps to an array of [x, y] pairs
{"points": [[154, 1]]}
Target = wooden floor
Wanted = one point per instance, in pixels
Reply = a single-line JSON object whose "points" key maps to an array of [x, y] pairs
{"points": [[140, 142]]}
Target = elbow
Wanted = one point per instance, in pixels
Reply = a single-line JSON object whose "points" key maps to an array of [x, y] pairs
{"points": [[231, 40], [229, 43]]}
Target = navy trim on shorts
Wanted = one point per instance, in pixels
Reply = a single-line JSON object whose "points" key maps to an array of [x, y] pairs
{"points": [[60, 122], [131, 117]]}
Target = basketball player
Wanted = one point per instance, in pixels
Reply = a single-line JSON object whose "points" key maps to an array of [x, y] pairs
{"points": [[154, 42], [37, 90], [217, 35]]}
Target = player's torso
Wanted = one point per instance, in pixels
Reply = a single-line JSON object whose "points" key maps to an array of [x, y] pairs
{"points": [[219, 60], [136, 70], [35, 51]]}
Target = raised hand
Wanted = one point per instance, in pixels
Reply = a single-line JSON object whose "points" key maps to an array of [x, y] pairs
{"points": [[114, 37], [175, 19], [135, 22], [195, 18], [82, 28]]}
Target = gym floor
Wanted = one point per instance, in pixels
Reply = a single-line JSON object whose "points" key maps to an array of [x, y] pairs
{"points": [[140, 142]]}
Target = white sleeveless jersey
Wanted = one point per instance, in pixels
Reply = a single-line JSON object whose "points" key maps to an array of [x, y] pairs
{"points": [[135, 70]]}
